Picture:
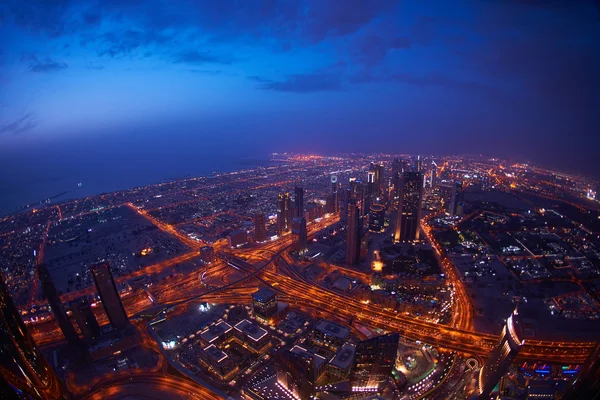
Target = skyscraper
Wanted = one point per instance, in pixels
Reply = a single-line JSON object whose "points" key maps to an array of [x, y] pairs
{"points": [[409, 208], [345, 198], [111, 301], [334, 191], [86, 320], [299, 231], [264, 303], [283, 213], [260, 230], [456, 200], [377, 218], [380, 180], [51, 294], [511, 340], [353, 234], [375, 358], [23, 367], [298, 202]]}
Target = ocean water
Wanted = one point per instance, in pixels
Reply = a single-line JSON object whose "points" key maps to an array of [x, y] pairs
{"points": [[29, 177]]}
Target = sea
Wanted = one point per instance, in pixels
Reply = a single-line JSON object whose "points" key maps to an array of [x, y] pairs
{"points": [[28, 179]]}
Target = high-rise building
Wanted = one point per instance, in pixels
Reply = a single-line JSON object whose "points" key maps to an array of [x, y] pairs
{"points": [[377, 218], [86, 320], [298, 202], [375, 358], [502, 356], [358, 194], [111, 301], [456, 200], [300, 234], [23, 367], [260, 230], [345, 198], [380, 180], [408, 217], [587, 384], [334, 191], [264, 303], [283, 213], [51, 294], [330, 201], [353, 234]]}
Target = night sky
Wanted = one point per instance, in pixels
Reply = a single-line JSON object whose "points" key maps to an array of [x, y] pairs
{"points": [[506, 78]]}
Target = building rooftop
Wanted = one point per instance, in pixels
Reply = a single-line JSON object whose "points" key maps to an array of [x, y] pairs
{"points": [[215, 354], [252, 331], [315, 358], [331, 329], [214, 331], [344, 358], [264, 294]]}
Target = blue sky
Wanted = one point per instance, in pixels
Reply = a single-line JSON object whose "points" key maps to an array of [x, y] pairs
{"points": [[507, 78]]}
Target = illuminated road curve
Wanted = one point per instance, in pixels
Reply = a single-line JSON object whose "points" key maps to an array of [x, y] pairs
{"points": [[302, 293]]}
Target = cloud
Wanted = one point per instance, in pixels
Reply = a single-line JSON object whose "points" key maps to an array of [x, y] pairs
{"points": [[42, 65], [303, 83], [200, 57], [20, 125]]}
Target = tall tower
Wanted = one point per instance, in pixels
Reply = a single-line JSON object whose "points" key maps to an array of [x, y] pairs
{"points": [[409, 208], [22, 366], [353, 234], [51, 294], [511, 341], [299, 231], [298, 202], [86, 320], [260, 231], [334, 191], [111, 301], [283, 213], [456, 199]]}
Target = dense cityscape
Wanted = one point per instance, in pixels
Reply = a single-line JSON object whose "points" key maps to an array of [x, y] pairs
{"points": [[359, 276]]}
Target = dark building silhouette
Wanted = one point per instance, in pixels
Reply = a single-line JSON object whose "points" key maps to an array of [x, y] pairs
{"points": [[330, 203], [299, 371], [283, 213], [111, 301], [345, 197], [375, 358], [260, 229], [406, 228], [51, 294], [298, 202], [85, 318], [456, 199], [587, 383], [511, 341], [300, 233], [24, 372], [334, 191], [264, 303], [353, 234], [377, 218]]}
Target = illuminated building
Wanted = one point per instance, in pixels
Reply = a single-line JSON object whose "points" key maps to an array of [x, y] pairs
{"points": [[379, 180], [456, 199], [375, 358], [264, 303], [502, 356], [298, 202], [587, 383], [377, 218], [111, 301], [283, 213], [24, 372], [217, 360], [85, 318], [330, 334], [299, 371], [344, 200], [342, 363], [334, 192], [252, 336], [406, 228], [353, 234], [299, 231], [260, 229], [51, 294]]}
